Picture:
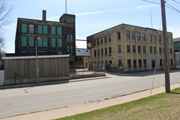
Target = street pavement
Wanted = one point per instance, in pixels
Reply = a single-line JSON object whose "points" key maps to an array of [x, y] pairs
{"points": [[40, 98]]}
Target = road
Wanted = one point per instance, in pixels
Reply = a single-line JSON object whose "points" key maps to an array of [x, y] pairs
{"points": [[31, 99]]}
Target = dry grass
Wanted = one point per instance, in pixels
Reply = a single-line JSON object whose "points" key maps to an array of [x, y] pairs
{"points": [[164, 106]]}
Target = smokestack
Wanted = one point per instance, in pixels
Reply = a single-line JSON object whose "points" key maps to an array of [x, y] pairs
{"points": [[44, 15]]}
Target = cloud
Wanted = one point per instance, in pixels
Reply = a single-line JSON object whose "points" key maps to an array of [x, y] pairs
{"points": [[89, 13], [145, 6]]}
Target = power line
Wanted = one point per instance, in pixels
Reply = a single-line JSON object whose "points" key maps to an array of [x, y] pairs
{"points": [[170, 6], [176, 1], [173, 8], [151, 2]]}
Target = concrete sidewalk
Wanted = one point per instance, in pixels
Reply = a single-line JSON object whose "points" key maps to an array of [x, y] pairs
{"points": [[89, 106]]}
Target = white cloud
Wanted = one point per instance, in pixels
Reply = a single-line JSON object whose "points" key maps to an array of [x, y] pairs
{"points": [[89, 13]]}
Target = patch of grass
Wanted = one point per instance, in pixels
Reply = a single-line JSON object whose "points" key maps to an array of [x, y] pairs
{"points": [[165, 106]]}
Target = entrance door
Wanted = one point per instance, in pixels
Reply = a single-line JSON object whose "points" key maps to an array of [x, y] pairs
{"points": [[153, 64]]}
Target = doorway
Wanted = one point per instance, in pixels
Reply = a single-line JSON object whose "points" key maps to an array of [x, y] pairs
{"points": [[153, 64]]}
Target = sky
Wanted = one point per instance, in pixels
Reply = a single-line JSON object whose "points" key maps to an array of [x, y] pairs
{"points": [[92, 16]]}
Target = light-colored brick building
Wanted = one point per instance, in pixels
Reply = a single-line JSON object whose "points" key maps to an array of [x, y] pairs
{"points": [[129, 48]]}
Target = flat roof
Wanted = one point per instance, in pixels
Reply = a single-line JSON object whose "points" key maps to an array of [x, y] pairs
{"points": [[34, 57], [176, 39]]}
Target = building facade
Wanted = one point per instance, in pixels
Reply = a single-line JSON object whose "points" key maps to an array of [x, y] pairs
{"points": [[82, 57], [129, 48], [53, 38], [177, 51]]}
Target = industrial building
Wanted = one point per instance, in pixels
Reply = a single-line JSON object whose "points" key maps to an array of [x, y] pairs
{"points": [[129, 48], [177, 51], [53, 38]]}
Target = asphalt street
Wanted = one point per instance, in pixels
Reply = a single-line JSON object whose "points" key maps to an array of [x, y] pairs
{"points": [[31, 99]]}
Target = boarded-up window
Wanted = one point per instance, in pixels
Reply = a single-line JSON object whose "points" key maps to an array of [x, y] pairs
{"points": [[40, 42], [45, 42], [39, 29], [53, 42], [59, 43], [31, 41], [45, 29], [24, 28], [23, 41], [31, 28], [53, 30], [59, 30]]}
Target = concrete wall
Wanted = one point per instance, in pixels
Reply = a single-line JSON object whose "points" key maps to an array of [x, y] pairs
{"points": [[1, 77]]}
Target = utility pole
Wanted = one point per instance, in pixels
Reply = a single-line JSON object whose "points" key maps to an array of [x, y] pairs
{"points": [[37, 67], [166, 48]]}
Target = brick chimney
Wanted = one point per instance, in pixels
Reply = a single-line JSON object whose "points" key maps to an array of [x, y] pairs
{"points": [[44, 15]]}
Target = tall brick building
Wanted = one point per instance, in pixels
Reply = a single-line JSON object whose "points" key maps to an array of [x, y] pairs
{"points": [[53, 38]]}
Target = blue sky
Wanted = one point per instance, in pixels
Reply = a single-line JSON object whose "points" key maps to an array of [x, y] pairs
{"points": [[92, 15]]}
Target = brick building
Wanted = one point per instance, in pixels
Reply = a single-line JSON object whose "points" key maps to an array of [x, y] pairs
{"points": [[129, 48], [53, 38]]}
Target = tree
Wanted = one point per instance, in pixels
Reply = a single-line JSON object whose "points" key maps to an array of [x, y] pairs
{"points": [[4, 14]]}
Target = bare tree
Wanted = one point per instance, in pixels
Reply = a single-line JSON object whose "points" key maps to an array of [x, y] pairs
{"points": [[4, 14]]}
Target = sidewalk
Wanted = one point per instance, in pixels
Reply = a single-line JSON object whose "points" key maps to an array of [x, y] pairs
{"points": [[89, 106]]}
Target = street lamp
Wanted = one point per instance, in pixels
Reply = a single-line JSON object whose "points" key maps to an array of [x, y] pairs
{"points": [[37, 67]]}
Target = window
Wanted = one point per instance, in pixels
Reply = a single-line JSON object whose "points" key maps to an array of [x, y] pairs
{"points": [[59, 52], [67, 37], [23, 41], [144, 61], [138, 36], [68, 49], [101, 40], [160, 62], [127, 35], [143, 37], [39, 42], [59, 44], [72, 49], [94, 42], [94, 53], [53, 30], [45, 42], [53, 42], [151, 50], [134, 63], [120, 62], [39, 29], [134, 48], [144, 49], [24, 28], [150, 39], [129, 63], [119, 48], [101, 52], [105, 39], [45, 29], [31, 28], [140, 64], [159, 38], [109, 50], [31, 41], [171, 62], [109, 38], [154, 38], [98, 52], [119, 35], [155, 50], [171, 50], [98, 41], [71, 38], [170, 40], [128, 49], [59, 30], [139, 49], [105, 51], [160, 50], [133, 36]]}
